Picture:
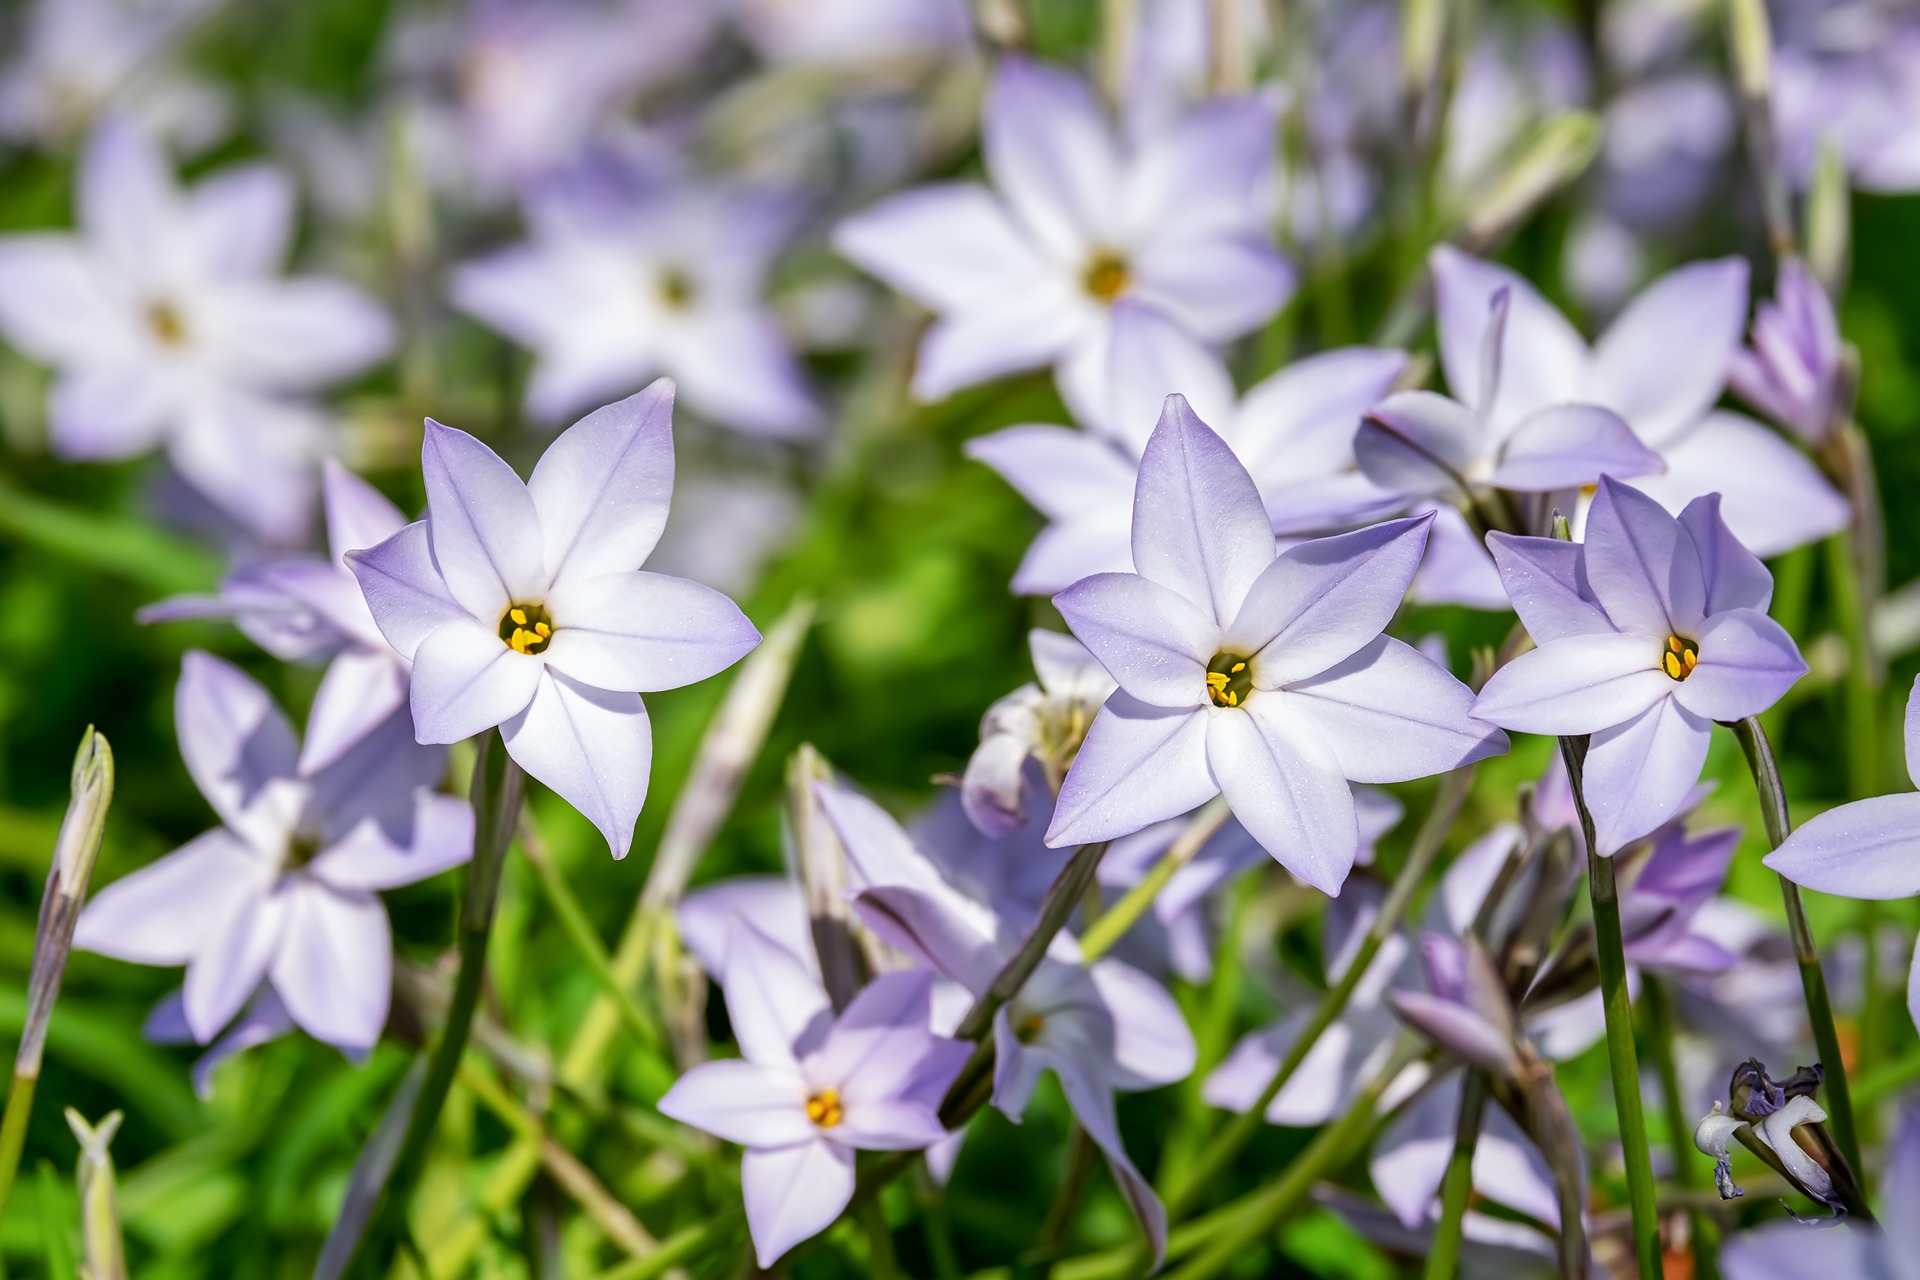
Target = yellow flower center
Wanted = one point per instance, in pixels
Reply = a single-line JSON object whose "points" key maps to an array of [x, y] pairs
{"points": [[1030, 1028], [302, 848], [166, 324], [1229, 679], [824, 1108], [1106, 276], [1679, 658], [526, 628], [676, 289]]}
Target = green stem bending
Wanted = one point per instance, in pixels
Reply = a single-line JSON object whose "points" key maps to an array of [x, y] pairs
{"points": [[1622, 1059], [1443, 1258], [1420, 858], [1813, 981]]}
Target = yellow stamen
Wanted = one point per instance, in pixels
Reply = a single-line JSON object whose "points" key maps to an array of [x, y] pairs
{"points": [[1680, 658], [824, 1108], [524, 628], [675, 289], [1228, 680], [167, 325], [1107, 275]]}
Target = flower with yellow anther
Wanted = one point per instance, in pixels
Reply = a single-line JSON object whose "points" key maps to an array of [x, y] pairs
{"points": [[824, 1108], [1680, 657], [525, 628]]}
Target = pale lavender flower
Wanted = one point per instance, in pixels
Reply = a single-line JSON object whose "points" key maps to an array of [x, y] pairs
{"points": [[1661, 366], [1889, 1250], [1264, 677], [1793, 373], [1648, 632], [169, 327], [1293, 432], [1077, 225], [1044, 721], [1465, 1009], [623, 279], [810, 1088], [312, 610], [285, 891], [1099, 1028], [522, 605], [1868, 849], [839, 32]]}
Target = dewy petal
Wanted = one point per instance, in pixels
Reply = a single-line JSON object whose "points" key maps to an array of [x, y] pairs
{"points": [[1419, 442], [465, 680], [593, 747], [1867, 849], [1663, 362], [240, 749], [1320, 602], [602, 487], [160, 913], [743, 1102], [1152, 1044], [361, 689], [1747, 661], [1115, 381], [405, 592], [640, 632], [1062, 472], [1547, 581], [1774, 500], [1581, 684], [1199, 527], [1390, 714], [1140, 765], [949, 246], [1050, 153], [1639, 773], [776, 1006], [1733, 576], [233, 959], [794, 1193], [1153, 640], [1285, 786], [1092, 1103], [334, 965], [1542, 359], [368, 858], [1641, 565], [1566, 446], [484, 529]]}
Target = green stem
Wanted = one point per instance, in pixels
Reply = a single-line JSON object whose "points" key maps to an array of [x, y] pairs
{"points": [[678, 1248], [881, 1264], [1052, 1240], [937, 1224], [1114, 923], [1773, 809], [1420, 858], [497, 784], [1861, 698], [1212, 1034], [13, 1132], [1443, 1257], [1705, 1231], [1062, 897], [1622, 1059]]}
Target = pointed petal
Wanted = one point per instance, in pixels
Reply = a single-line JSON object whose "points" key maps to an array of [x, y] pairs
{"points": [[773, 1001], [1286, 788], [127, 200], [1733, 576], [361, 689], [466, 680], [1050, 153], [740, 1101], [923, 925], [1198, 524], [1152, 1044], [368, 858], [879, 1040], [949, 246], [1542, 359], [160, 913], [1747, 661], [1663, 362], [334, 966], [1867, 849], [240, 749], [773, 903], [484, 529], [640, 632], [234, 958], [1216, 287], [1547, 581], [297, 335], [1154, 641], [1640, 772], [1003, 335], [593, 747], [1092, 1103], [602, 487], [1302, 420], [1115, 382], [1570, 445], [1140, 764], [794, 1193], [1419, 442], [405, 592], [241, 219], [358, 515], [1581, 684], [1062, 472], [1774, 500], [1390, 714], [1641, 566]]}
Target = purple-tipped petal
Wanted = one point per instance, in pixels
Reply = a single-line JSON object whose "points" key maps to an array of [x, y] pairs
{"points": [[1199, 527], [777, 1008], [1153, 640], [1774, 498], [1733, 576], [1641, 565], [482, 524], [922, 925], [333, 968], [794, 1193], [1285, 786], [1418, 442], [1390, 715], [1547, 581], [240, 749], [1581, 684], [1140, 764], [1663, 362], [593, 747], [1458, 1030], [602, 487]]}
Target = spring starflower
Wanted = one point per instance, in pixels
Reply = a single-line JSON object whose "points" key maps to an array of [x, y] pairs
{"points": [[1648, 632], [1264, 677], [522, 605], [1794, 372], [285, 891]]}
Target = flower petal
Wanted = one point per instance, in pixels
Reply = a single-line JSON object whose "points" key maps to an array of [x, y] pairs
{"points": [[1867, 849], [233, 958], [926, 926], [240, 749], [1050, 153], [1215, 287], [1542, 359], [949, 246], [127, 200], [1581, 684], [1419, 442], [1013, 332], [1547, 581], [593, 747], [1390, 714], [241, 219], [484, 529], [1199, 527], [1774, 498], [1569, 445], [334, 966], [1152, 1044], [794, 1193], [1140, 764], [1641, 566], [1115, 380], [740, 1101], [369, 858], [1663, 361], [361, 689], [1285, 786], [160, 913], [777, 1007], [1747, 661], [1301, 421], [465, 680], [1092, 1103], [773, 903], [1062, 472], [639, 632], [1638, 773], [1154, 641], [297, 335], [602, 487], [405, 592]]}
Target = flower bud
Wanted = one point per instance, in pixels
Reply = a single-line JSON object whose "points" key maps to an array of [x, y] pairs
{"points": [[66, 892], [104, 1254]]}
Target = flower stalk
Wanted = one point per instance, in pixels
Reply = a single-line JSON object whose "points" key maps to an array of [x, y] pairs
{"points": [[1806, 954], [103, 1251], [1124, 914], [1443, 1257]]}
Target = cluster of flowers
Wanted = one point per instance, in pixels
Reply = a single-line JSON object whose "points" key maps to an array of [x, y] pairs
{"points": [[1230, 566]]}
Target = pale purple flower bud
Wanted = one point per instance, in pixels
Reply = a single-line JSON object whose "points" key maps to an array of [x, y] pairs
{"points": [[1046, 722], [1795, 371]]}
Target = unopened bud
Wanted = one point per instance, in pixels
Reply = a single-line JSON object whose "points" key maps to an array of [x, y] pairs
{"points": [[1829, 219], [1559, 151], [73, 859], [1750, 40], [104, 1255]]}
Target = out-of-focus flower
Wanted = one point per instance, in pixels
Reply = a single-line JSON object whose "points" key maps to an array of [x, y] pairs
{"points": [[80, 59], [1648, 632], [1266, 678], [285, 891], [1889, 1250], [168, 327], [623, 280], [1793, 373], [810, 1088], [1867, 849], [522, 604], [310, 609], [1661, 366], [1772, 1113], [836, 32], [1849, 74], [264, 1020], [1465, 1010], [1293, 432], [1044, 721], [1076, 228]]}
